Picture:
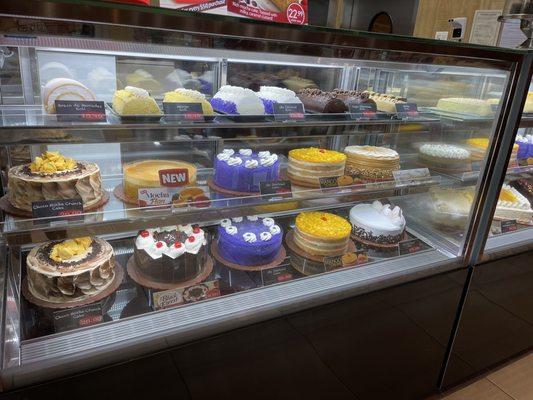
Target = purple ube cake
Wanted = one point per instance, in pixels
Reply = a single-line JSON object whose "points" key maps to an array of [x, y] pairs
{"points": [[249, 241], [236, 100], [271, 95], [243, 171]]}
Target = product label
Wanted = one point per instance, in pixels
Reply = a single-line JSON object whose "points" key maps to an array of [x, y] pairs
{"points": [[174, 177], [361, 111], [189, 112], [281, 273], [293, 13], [154, 197], [276, 190], [347, 260], [336, 181], [190, 294], [68, 209], [409, 246], [411, 176], [288, 111], [508, 225], [405, 110], [80, 111], [78, 317]]}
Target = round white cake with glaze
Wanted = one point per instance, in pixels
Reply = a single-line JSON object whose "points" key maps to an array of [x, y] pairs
{"points": [[377, 223]]}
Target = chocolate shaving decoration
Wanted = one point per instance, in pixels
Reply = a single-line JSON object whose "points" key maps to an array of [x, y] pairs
{"points": [[44, 255], [381, 239], [80, 168]]}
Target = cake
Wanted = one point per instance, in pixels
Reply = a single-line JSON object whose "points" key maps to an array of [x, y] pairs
{"points": [[478, 149], [297, 83], [249, 241], [353, 96], [171, 254], [236, 100], [371, 163], [64, 89], [145, 174], [525, 148], [322, 234], [513, 205], [189, 96], [321, 102], [71, 270], [528, 105], [377, 223], [53, 177], [524, 187], [464, 105], [271, 95], [385, 102], [134, 101], [307, 165], [143, 79], [245, 170], [445, 157]]}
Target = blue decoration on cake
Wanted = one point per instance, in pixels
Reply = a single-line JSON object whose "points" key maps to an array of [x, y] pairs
{"points": [[245, 170], [236, 100], [249, 241]]}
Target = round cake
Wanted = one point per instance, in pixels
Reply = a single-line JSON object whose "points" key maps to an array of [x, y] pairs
{"points": [[445, 157], [145, 174], [249, 241], [377, 223], [171, 254], [322, 234], [371, 163], [54, 177], [244, 171], [70, 270], [307, 165]]}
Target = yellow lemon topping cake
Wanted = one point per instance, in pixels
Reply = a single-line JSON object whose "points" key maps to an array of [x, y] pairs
{"points": [[189, 96], [321, 233], [134, 101], [478, 148], [307, 165]]}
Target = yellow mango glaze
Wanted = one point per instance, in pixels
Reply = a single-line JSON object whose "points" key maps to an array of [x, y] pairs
{"points": [[483, 143], [316, 155], [71, 248], [51, 162], [323, 225], [507, 195]]}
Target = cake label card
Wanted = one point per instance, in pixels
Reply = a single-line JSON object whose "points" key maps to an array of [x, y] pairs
{"points": [[289, 111], [189, 197], [276, 190], [174, 177], [80, 111], [411, 176], [78, 317], [190, 294], [187, 112], [154, 197], [508, 225], [68, 209], [351, 259], [361, 111], [409, 246], [281, 273], [407, 110]]}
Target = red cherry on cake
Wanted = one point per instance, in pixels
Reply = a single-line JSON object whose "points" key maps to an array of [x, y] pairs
{"points": [[177, 245], [191, 239], [159, 245], [145, 233], [196, 229]]}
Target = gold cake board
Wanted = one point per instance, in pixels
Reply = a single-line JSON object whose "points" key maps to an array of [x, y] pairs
{"points": [[117, 280], [277, 261], [150, 283], [289, 239], [7, 207]]}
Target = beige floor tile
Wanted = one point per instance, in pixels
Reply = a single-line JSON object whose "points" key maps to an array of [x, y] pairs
{"points": [[479, 390], [516, 379]]}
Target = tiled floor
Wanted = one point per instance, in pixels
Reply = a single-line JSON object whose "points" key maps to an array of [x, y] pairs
{"points": [[511, 382]]}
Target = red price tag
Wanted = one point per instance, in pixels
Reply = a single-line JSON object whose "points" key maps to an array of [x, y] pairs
{"points": [[295, 14]]}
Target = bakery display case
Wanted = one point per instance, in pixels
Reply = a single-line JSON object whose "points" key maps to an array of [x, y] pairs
{"points": [[161, 184]]}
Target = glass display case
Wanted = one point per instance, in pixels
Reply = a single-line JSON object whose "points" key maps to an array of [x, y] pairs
{"points": [[161, 184]]}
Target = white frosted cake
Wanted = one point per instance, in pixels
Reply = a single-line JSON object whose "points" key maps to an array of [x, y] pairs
{"points": [[445, 157], [236, 100], [465, 105], [377, 223], [64, 89], [513, 205], [271, 95]]}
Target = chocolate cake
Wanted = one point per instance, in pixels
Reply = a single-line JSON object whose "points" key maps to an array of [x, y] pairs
{"points": [[353, 96], [321, 102], [524, 187]]}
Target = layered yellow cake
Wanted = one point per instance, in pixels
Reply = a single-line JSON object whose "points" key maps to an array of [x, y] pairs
{"points": [[189, 96], [385, 102], [134, 101], [478, 148], [528, 106], [145, 174], [307, 165], [322, 234], [371, 163], [466, 105], [53, 177], [70, 270]]}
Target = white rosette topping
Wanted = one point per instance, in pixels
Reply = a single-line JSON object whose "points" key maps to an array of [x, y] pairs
{"points": [[268, 222], [249, 237], [176, 250], [231, 230], [252, 217], [192, 245], [229, 152], [265, 236], [144, 240], [237, 219], [268, 161], [223, 156], [245, 152], [263, 154], [251, 164], [275, 230], [157, 249], [234, 161], [225, 222]]}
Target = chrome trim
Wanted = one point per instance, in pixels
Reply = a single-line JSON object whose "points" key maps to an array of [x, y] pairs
{"points": [[508, 244]]}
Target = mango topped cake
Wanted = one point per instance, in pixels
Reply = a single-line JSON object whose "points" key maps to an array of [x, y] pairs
{"points": [[189, 96], [70, 270], [322, 234], [309, 164], [513, 205], [145, 174], [478, 149], [134, 101], [53, 177], [371, 163], [478, 107]]}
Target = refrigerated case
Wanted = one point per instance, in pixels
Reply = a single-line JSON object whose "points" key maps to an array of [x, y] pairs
{"points": [[438, 206]]}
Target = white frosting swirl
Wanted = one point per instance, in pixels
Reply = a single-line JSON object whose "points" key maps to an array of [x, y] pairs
{"points": [[156, 251], [252, 217], [237, 219], [263, 154], [144, 242], [231, 230], [225, 222], [251, 164], [444, 151], [249, 237], [268, 161], [268, 222], [223, 156], [245, 152], [193, 245], [174, 252], [234, 161], [265, 236], [228, 151], [275, 229]]}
